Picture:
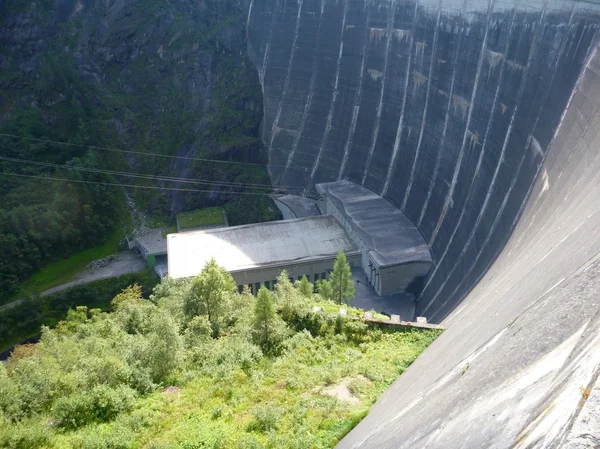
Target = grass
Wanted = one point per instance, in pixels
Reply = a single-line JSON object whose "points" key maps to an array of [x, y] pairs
{"points": [[332, 308], [211, 216], [171, 229], [159, 221], [162, 221], [281, 403], [66, 269]]}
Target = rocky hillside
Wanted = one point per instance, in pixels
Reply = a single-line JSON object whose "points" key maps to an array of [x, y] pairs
{"points": [[150, 76], [153, 78]]}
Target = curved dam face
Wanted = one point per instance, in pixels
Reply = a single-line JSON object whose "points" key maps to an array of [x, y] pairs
{"points": [[446, 108], [519, 363], [481, 120]]}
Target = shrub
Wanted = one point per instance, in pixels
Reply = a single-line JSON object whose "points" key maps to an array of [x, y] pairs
{"points": [[198, 331], [305, 287], [165, 354], [358, 386], [27, 435], [101, 404], [355, 330], [264, 419], [74, 411], [223, 356], [317, 324], [38, 381], [298, 340], [116, 437], [269, 329], [325, 290], [210, 295], [9, 395], [289, 299], [217, 412]]}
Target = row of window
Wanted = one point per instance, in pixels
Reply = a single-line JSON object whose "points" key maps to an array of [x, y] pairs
{"points": [[270, 285]]}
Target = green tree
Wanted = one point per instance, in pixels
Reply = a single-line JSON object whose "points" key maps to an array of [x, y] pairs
{"points": [[324, 289], [264, 317], [288, 298], [341, 281], [133, 293], [165, 347], [268, 328], [210, 294], [305, 287]]}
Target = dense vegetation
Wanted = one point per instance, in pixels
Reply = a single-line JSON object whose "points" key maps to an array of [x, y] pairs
{"points": [[200, 365], [43, 220], [25, 320], [156, 78]]}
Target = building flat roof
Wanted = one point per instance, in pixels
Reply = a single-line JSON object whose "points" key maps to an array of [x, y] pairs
{"points": [[153, 241], [390, 235], [300, 206], [257, 245]]}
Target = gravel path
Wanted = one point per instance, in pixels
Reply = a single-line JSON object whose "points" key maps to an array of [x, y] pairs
{"points": [[125, 262]]}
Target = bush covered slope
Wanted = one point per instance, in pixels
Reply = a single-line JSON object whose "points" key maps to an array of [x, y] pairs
{"points": [[200, 366]]}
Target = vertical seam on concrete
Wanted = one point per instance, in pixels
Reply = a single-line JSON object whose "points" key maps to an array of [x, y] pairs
{"points": [[462, 148], [438, 158], [308, 104], [333, 101], [261, 77], [500, 162], [358, 97], [248, 24], [481, 155], [580, 139], [287, 78], [560, 55], [398, 140], [382, 91], [424, 119]]}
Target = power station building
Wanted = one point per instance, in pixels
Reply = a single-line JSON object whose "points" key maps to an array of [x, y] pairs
{"points": [[256, 254], [394, 254], [373, 234]]}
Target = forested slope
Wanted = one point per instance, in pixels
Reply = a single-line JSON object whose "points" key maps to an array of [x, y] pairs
{"points": [[150, 78]]}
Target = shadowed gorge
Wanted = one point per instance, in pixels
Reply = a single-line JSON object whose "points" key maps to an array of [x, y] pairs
{"points": [[446, 109]]}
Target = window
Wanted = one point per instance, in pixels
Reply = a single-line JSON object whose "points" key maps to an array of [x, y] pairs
{"points": [[323, 276], [250, 288], [257, 287], [268, 285], [240, 288]]}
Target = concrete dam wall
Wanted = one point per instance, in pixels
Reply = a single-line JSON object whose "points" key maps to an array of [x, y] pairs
{"points": [[446, 108], [482, 122], [519, 363]]}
